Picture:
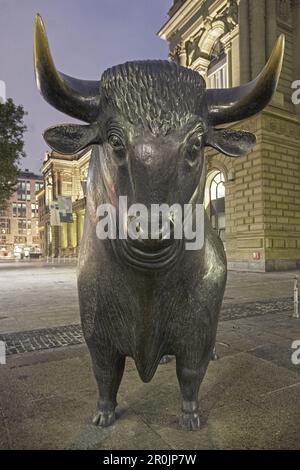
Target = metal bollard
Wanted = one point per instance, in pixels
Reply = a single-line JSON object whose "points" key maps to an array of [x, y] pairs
{"points": [[296, 298]]}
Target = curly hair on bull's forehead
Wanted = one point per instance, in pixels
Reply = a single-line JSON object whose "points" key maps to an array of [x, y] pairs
{"points": [[156, 94]]}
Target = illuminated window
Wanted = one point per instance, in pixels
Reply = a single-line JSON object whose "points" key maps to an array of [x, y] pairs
{"points": [[34, 209], [217, 204], [23, 191], [19, 209], [20, 240], [217, 188], [22, 226], [217, 69], [38, 186], [4, 226]]}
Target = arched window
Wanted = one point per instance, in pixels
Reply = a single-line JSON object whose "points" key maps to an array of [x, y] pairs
{"points": [[217, 69], [216, 203], [217, 188]]}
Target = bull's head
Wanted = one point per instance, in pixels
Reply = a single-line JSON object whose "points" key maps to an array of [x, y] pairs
{"points": [[151, 120]]}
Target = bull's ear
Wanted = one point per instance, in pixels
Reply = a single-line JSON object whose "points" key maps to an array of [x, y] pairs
{"points": [[230, 142], [70, 138]]}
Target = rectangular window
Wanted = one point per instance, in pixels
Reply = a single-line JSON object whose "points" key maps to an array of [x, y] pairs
{"points": [[34, 209], [66, 189], [22, 226], [14, 209], [38, 186], [20, 239], [21, 212], [21, 190], [4, 226], [217, 78]]}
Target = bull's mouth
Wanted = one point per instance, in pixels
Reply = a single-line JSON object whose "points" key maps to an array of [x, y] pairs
{"points": [[150, 254], [161, 252]]}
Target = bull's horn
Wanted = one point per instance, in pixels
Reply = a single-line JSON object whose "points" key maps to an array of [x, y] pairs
{"points": [[235, 104], [77, 98]]}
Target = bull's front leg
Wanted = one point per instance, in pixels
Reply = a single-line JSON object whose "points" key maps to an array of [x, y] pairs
{"points": [[108, 366], [190, 377]]}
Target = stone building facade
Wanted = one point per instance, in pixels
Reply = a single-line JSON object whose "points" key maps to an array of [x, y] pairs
{"points": [[253, 201], [19, 231], [64, 175]]}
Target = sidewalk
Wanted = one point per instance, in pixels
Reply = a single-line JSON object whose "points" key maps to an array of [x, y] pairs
{"points": [[40, 295], [249, 398]]}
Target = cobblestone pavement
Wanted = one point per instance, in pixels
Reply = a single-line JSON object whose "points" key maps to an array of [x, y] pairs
{"points": [[45, 338]]}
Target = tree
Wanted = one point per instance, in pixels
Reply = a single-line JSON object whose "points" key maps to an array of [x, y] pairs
{"points": [[12, 129]]}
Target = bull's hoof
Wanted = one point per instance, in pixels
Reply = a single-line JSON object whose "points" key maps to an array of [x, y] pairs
{"points": [[104, 418], [215, 356], [165, 359], [189, 421]]}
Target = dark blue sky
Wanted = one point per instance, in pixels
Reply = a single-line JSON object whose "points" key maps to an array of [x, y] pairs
{"points": [[86, 37]]}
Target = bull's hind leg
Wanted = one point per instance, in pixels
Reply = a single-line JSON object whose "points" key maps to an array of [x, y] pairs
{"points": [[108, 366], [190, 377]]}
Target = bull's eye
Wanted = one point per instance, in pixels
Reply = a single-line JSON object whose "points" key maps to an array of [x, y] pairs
{"points": [[115, 142], [194, 147]]}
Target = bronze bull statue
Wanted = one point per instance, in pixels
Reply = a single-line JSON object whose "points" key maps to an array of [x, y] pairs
{"points": [[148, 122]]}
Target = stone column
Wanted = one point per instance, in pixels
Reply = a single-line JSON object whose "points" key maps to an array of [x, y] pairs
{"points": [[271, 25], [73, 232], [258, 36], [244, 41], [182, 56], [64, 236], [56, 241], [80, 223], [69, 236], [235, 79], [228, 52]]}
